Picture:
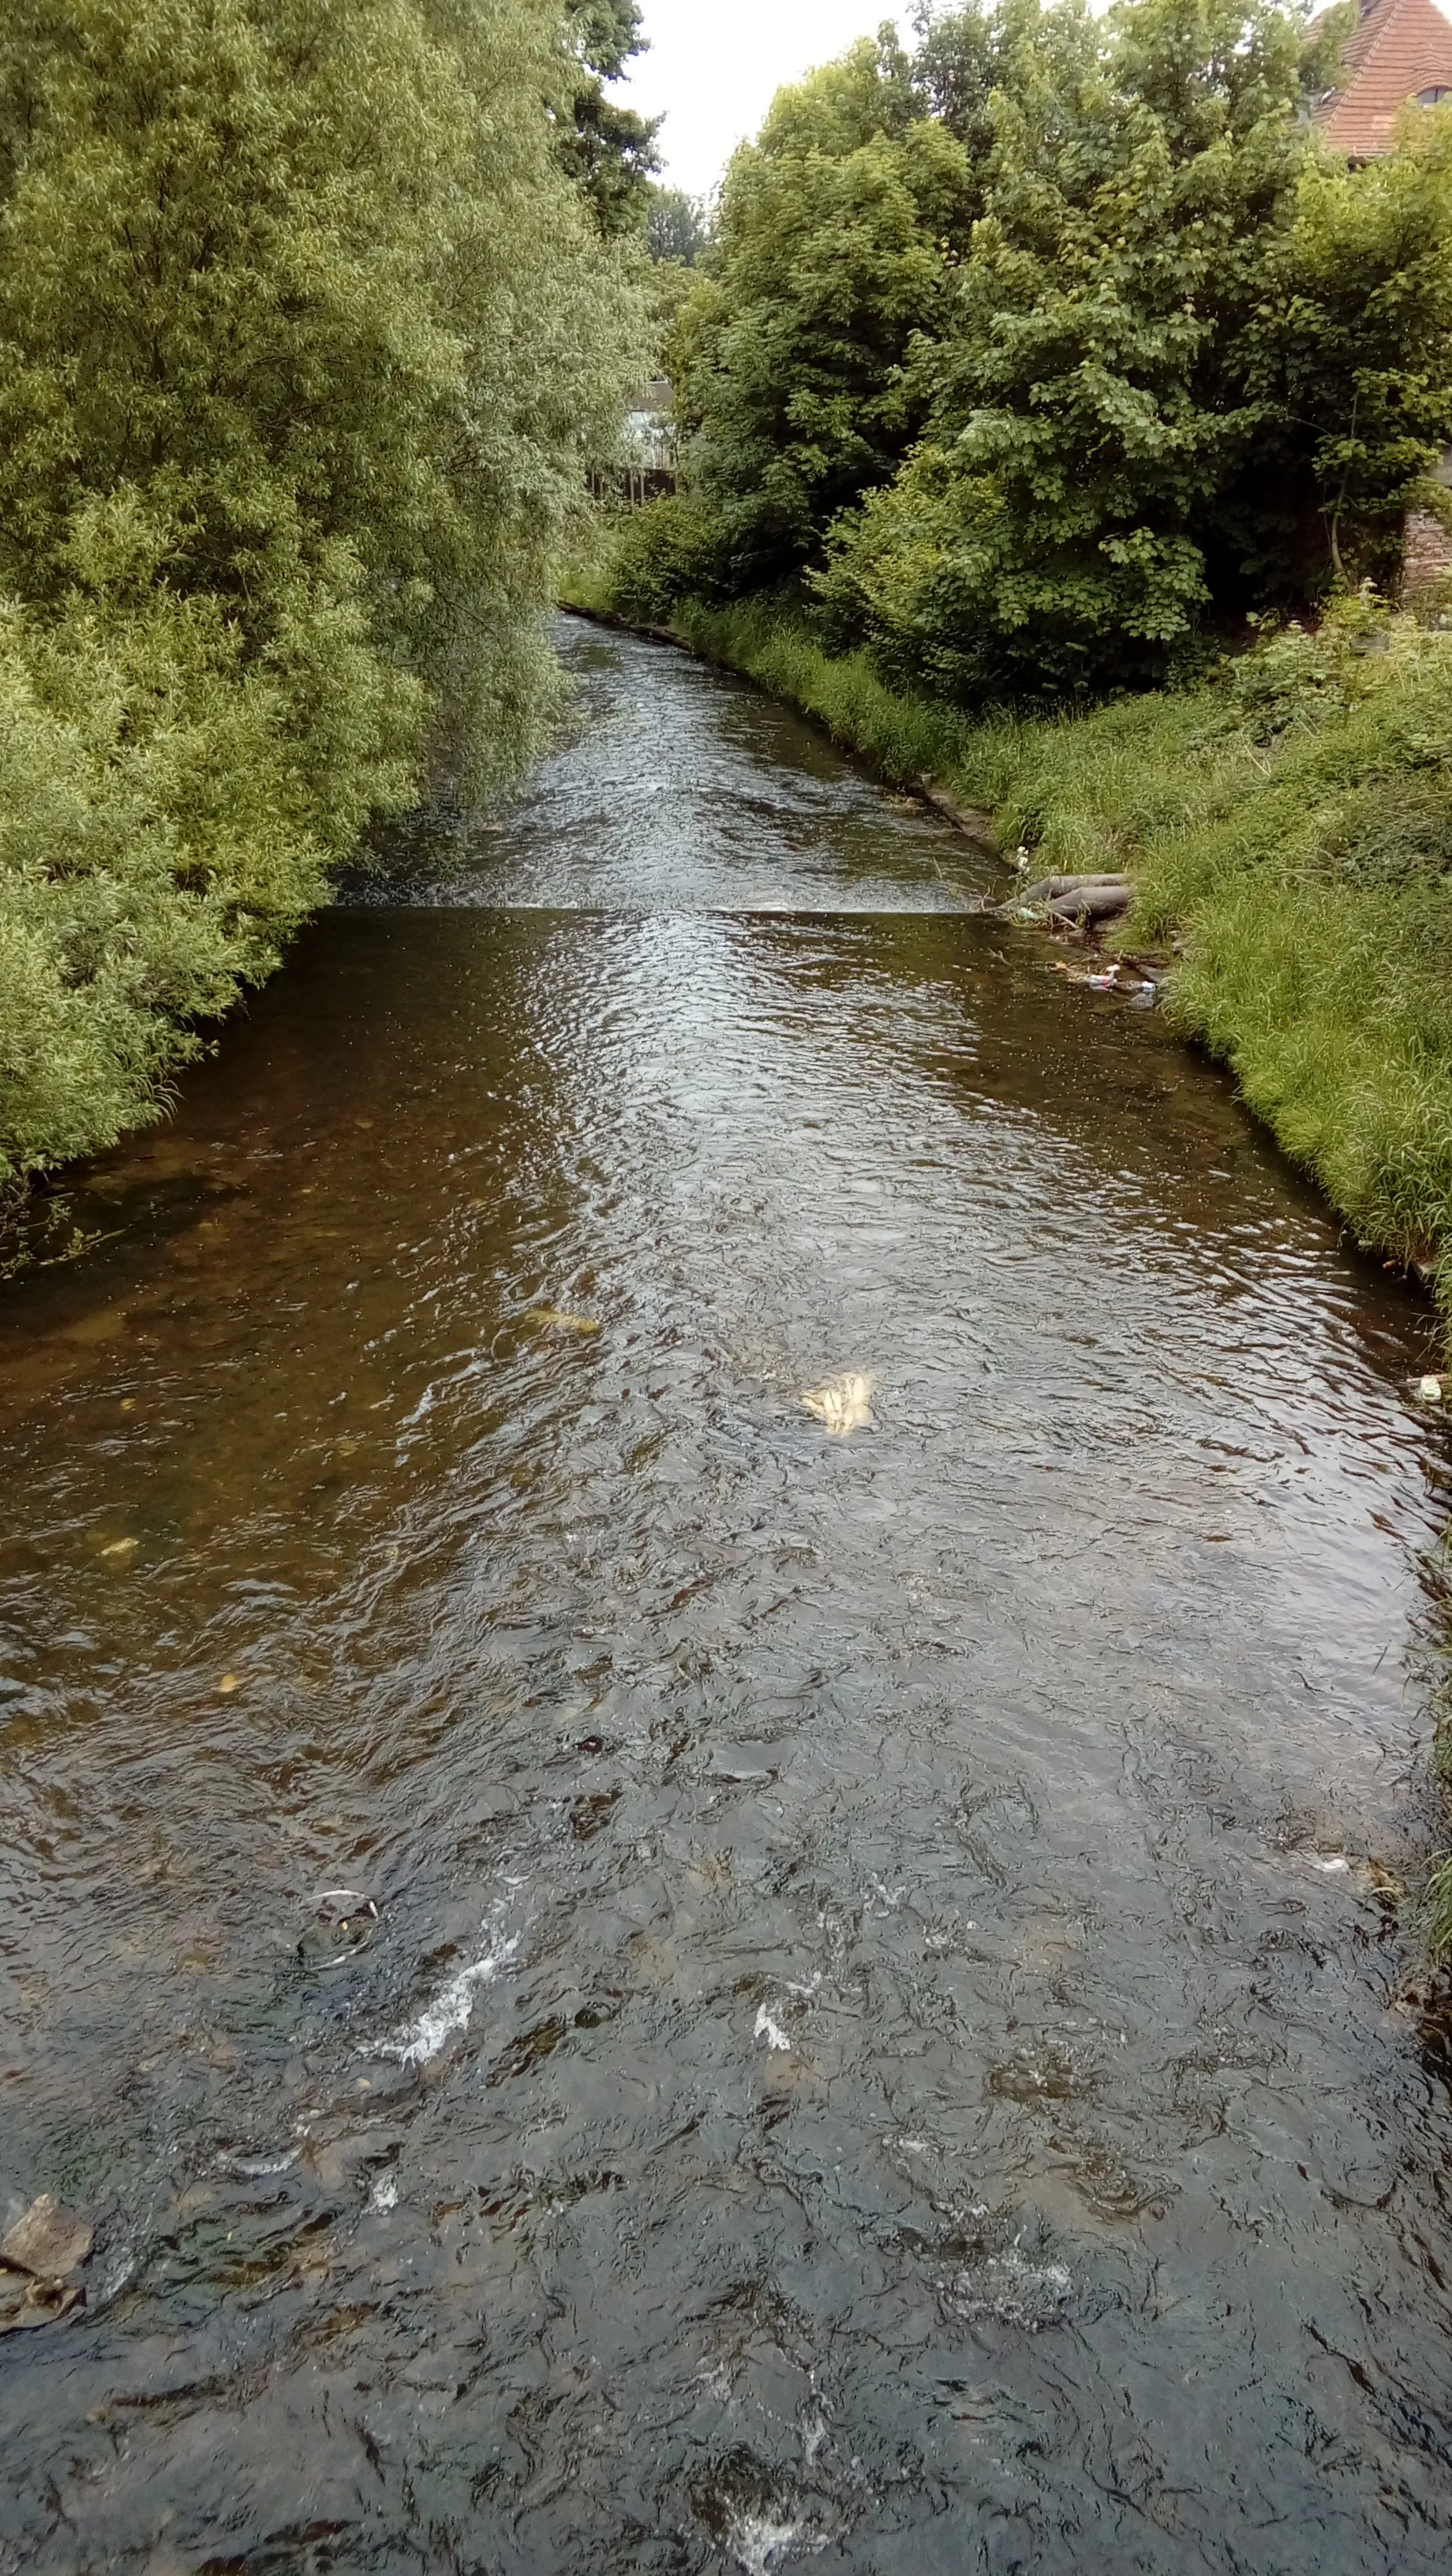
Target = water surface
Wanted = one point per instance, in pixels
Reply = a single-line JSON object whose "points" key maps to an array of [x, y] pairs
{"points": [[884, 2035]]}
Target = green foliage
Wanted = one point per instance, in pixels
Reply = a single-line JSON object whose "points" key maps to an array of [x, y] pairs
{"points": [[1439, 1914], [790, 358], [1142, 355], [669, 551], [1346, 363], [608, 151], [962, 60], [1120, 245], [304, 338], [677, 227], [1088, 411], [170, 807]]}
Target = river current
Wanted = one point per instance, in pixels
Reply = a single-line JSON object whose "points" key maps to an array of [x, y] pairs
{"points": [[632, 1985]]}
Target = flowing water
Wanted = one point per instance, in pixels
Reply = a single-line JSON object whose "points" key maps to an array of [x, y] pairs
{"points": [[632, 1984]]}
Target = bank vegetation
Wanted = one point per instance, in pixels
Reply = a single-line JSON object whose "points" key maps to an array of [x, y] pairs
{"points": [[311, 321]]}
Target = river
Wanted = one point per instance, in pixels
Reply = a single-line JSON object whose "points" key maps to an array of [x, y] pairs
{"points": [[630, 1984]]}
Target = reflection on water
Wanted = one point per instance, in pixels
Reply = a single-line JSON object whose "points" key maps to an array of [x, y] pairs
{"points": [[630, 1984]]}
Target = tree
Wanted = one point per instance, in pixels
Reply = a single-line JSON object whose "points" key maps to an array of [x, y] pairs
{"points": [[677, 226], [834, 234], [1036, 351], [1346, 357], [305, 341], [1134, 410], [608, 150]]}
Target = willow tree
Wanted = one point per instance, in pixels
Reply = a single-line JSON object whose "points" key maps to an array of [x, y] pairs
{"points": [[305, 341]]}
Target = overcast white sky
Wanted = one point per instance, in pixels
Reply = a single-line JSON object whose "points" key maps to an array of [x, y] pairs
{"points": [[715, 66]]}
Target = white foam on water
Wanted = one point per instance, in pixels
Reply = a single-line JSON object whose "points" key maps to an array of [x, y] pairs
{"points": [[1015, 2291], [450, 2011], [113, 2282], [770, 2031]]}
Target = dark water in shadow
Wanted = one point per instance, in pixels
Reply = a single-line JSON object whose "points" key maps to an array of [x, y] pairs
{"points": [[881, 2040]]}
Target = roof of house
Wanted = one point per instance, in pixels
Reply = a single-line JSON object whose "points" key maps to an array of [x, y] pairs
{"points": [[1397, 50]]}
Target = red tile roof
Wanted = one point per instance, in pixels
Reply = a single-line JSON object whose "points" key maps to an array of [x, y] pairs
{"points": [[1397, 48]]}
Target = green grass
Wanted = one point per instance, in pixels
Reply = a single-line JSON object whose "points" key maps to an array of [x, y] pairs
{"points": [[1437, 1902], [1439, 1914]]}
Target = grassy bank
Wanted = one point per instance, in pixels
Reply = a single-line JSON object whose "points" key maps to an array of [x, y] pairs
{"points": [[1288, 827]]}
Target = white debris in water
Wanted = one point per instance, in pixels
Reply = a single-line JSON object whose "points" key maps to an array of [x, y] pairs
{"points": [[844, 1403], [770, 2031], [1012, 2290], [758, 2543], [889, 1898], [449, 2011]]}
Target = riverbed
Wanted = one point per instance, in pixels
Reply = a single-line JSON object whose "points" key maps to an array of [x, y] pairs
{"points": [[630, 1984]]}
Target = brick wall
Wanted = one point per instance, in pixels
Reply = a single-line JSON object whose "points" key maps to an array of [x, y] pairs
{"points": [[1426, 556]]}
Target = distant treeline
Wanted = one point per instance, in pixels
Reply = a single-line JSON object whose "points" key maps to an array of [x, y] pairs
{"points": [[312, 319], [1030, 356]]}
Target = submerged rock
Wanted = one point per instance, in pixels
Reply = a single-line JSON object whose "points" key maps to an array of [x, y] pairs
{"points": [[40, 2255]]}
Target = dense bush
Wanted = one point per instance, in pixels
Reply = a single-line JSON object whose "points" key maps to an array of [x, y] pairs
{"points": [[304, 338], [1037, 354], [1194, 368], [831, 257], [671, 551]]}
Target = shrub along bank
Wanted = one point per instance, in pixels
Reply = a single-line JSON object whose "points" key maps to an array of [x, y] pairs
{"points": [[307, 333]]}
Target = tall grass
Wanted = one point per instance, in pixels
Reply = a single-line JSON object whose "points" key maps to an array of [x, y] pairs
{"points": [[904, 737]]}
